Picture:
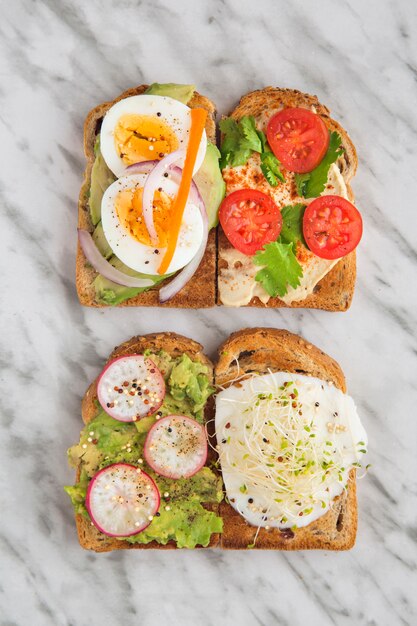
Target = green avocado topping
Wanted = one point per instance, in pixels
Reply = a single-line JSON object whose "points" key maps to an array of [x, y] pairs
{"points": [[101, 242], [188, 385], [183, 93], [78, 492], [112, 294], [104, 441], [188, 525], [210, 183], [101, 178]]}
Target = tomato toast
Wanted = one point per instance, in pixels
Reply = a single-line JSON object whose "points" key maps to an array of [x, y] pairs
{"points": [[283, 144]]}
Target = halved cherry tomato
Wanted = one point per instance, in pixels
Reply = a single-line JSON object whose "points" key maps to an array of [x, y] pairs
{"points": [[332, 227], [299, 139], [250, 219]]}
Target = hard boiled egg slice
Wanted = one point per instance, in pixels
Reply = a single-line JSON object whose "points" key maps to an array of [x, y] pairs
{"points": [[126, 232], [144, 128]]}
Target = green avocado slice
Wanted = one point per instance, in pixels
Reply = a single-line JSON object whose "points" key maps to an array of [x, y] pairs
{"points": [[101, 242], [210, 184], [101, 178], [183, 93], [112, 294]]}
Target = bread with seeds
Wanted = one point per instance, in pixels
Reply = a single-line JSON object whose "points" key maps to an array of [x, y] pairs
{"points": [[199, 292], [175, 346], [260, 351], [327, 285]]}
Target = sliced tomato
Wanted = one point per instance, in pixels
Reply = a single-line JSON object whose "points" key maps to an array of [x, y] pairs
{"points": [[250, 219], [299, 139], [332, 227]]}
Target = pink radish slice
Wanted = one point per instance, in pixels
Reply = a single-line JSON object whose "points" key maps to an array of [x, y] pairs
{"points": [[131, 387], [122, 500], [176, 446]]}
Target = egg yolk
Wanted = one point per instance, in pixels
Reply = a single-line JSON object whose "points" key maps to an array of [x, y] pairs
{"points": [[128, 206], [143, 138]]}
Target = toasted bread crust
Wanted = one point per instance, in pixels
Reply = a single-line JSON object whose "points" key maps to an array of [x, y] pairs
{"points": [[200, 290], [335, 291], [259, 350], [89, 537]]}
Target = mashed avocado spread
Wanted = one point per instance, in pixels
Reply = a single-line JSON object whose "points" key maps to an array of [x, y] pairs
{"points": [[104, 441]]}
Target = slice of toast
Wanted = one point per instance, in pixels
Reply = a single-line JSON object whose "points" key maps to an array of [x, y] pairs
{"points": [[200, 290], [334, 292], [260, 350], [176, 345]]}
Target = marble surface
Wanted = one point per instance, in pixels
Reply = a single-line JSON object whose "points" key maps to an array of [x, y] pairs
{"points": [[58, 59]]}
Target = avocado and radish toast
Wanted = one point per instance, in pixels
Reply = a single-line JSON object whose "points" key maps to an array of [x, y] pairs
{"points": [[274, 466], [289, 227], [145, 474], [149, 203]]}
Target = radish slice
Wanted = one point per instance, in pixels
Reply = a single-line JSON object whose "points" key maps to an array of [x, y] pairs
{"points": [[103, 267], [172, 288], [151, 185], [122, 500], [131, 387], [176, 447]]}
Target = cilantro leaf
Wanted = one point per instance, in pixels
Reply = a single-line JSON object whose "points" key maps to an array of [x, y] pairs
{"points": [[262, 139], [312, 184], [270, 165], [250, 138], [240, 140], [301, 181], [281, 268], [292, 224], [270, 168], [233, 154]]}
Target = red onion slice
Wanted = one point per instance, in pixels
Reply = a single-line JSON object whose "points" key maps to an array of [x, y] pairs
{"points": [[151, 185], [181, 279], [144, 167], [103, 267]]}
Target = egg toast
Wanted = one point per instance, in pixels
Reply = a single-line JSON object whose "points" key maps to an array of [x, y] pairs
{"points": [[175, 346], [199, 292], [324, 284], [264, 350]]}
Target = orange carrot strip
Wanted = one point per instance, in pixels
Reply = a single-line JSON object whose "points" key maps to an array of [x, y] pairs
{"points": [[198, 122]]}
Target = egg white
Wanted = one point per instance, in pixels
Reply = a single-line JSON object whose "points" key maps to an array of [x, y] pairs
{"points": [[136, 255], [173, 113], [320, 402]]}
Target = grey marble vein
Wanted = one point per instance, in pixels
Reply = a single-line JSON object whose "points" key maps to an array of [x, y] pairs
{"points": [[58, 59]]}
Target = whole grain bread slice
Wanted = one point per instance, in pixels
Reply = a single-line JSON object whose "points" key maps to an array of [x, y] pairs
{"points": [[335, 291], [176, 345], [200, 290], [258, 350]]}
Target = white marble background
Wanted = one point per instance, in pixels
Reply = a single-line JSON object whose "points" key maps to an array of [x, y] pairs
{"points": [[60, 58]]}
